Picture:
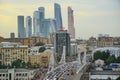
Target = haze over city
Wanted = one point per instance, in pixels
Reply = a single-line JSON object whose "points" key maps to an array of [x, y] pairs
{"points": [[91, 17]]}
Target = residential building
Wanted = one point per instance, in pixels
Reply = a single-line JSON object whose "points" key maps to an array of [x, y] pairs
{"points": [[28, 26], [39, 59], [58, 16], [104, 75], [71, 29], [28, 41], [62, 38], [13, 51], [105, 42], [17, 74], [21, 31], [47, 27]]}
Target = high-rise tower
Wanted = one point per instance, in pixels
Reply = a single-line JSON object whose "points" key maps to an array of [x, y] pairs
{"points": [[62, 38], [48, 26], [28, 26], [57, 15], [41, 13], [36, 23], [71, 28], [21, 31]]}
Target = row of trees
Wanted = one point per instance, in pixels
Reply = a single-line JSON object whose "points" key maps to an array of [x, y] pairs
{"points": [[16, 64], [111, 79], [106, 57]]}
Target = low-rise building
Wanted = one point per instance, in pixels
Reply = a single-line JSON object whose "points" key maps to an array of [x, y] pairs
{"points": [[13, 51], [16, 74], [104, 75], [39, 59], [105, 42], [27, 41]]}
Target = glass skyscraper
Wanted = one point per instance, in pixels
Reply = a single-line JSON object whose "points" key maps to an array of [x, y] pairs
{"points": [[36, 23], [28, 26], [48, 26], [57, 16], [21, 30], [41, 13], [61, 39]]}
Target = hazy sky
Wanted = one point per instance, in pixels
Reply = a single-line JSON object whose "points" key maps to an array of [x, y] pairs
{"points": [[91, 17]]}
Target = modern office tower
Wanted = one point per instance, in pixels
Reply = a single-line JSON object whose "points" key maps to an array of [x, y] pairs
{"points": [[21, 31], [41, 13], [28, 26], [62, 38], [48, 26], [57, 15], [12, 35], [71, 29], [36, 23]]}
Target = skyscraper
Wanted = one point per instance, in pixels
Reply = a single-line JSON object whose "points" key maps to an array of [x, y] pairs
{"points": [[47, 26], [57, 15], [21, 31], [36, 23], [71, 29], [28, 26], [12, 35], [41, 13], [61, 39]]}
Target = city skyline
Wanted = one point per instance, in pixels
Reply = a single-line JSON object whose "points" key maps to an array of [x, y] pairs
{"points": [[90, 17]]}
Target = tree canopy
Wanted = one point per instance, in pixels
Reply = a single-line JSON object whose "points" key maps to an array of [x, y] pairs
{"points": [[39, 44], [42, 49]]}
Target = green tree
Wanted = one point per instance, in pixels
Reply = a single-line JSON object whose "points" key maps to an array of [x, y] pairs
{"points": [[39, 44], [105, 55], [108, 78], [97, 55], [118, 59], [17, 63], [42, 49], [111, 59], [118, 78]]}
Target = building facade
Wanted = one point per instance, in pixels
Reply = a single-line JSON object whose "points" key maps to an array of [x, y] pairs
{"points": [[58, 16], [13, 51], [28, 41], [62, 38], [16, 74], [39, 59], [105, 42], [28, 26], [71, 29], [21, 29]]}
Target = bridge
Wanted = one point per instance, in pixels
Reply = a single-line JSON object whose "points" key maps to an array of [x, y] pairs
{"points": [[66, 70]]}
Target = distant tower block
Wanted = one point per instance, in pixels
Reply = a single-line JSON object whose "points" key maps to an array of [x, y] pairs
{"points": [[12, 35], [71, 28], [62, 61]]}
